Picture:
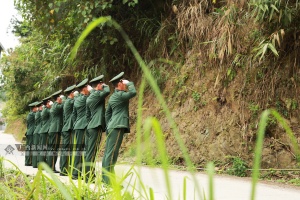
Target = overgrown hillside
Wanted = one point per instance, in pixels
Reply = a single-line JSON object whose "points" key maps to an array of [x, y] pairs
{"points": [[219, 64]]}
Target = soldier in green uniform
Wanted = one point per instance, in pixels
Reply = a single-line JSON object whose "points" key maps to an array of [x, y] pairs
{"points": [[36, 135], [45, 115], [80, 124], [117, 121], [56, 115], [29, 134], [95, 113], [66, 130]]}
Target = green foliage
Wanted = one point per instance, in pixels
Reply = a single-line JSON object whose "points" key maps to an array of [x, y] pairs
{"points": [[291, 104], [31, 72], [50, 28], [254, 108], [281, 108], [295, 181], [196, 96], [238, 168], [272, 121], [17, 185], [160, 74], [230, 75], [2, 94], [276, 11], [21, 28], [130, 2], [269, 45], [198, 101], [262, 49], [277, 16]]}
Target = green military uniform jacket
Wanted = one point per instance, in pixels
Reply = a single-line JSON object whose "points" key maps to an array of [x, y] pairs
{"points": [[117, 112], [79, 112], [38, 122], [45, 115], [95, 108], [56, 114], [30, 123], [67, 117]]}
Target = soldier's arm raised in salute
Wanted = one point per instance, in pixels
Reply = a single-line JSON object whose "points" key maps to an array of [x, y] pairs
{"points": [[130, 93]]}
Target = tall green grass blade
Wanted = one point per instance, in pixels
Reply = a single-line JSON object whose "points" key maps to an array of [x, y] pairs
{"points": [[259, 143], [36, 184], [86, 32], [288, 130], [184, 189], [210, 172], [258, 150], [151, 194], [44, 188], [150, 123], [139, 124], [139, 121]]}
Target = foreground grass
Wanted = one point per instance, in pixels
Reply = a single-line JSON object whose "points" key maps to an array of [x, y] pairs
{"points": [[14, 184]]}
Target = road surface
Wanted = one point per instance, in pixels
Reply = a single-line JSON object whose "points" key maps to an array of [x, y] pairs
{"points": [[225, 187]]}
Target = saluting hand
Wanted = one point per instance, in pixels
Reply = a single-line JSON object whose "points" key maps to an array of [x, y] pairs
{"points": [[89, 88], [102, 86], [125, 81]]}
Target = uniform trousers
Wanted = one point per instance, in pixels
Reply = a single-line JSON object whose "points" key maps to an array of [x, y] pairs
{"points": [[43, 147], [65, 152], [35, 151], [78, 148], [113, 142], [28, 151], [52, 146], [92, 143]]}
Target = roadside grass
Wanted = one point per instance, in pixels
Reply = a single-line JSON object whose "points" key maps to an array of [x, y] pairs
{"points": [[50, 187]]}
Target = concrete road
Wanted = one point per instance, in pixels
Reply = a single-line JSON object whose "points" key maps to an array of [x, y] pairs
{"points": [[225, 187]]}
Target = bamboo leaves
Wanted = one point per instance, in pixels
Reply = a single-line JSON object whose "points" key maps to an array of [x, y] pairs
{"points": [[263, 48], [274, 10], [269, 45]]}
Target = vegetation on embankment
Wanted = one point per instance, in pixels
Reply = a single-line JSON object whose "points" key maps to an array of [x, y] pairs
{"points": [[17, 127], [218, 64]]}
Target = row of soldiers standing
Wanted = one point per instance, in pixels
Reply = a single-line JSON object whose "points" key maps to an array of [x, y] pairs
{"points": [[75, 125]]}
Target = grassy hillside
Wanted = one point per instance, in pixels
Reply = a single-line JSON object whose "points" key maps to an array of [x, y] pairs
{"points": [[224, 66]]}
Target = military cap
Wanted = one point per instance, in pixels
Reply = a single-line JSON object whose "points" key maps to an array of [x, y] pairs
{"points": [[46, 99], [97, 79], [56, 94], [32, 104], [70, 88], [39, 103], [82, 83], [117, 78]]}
